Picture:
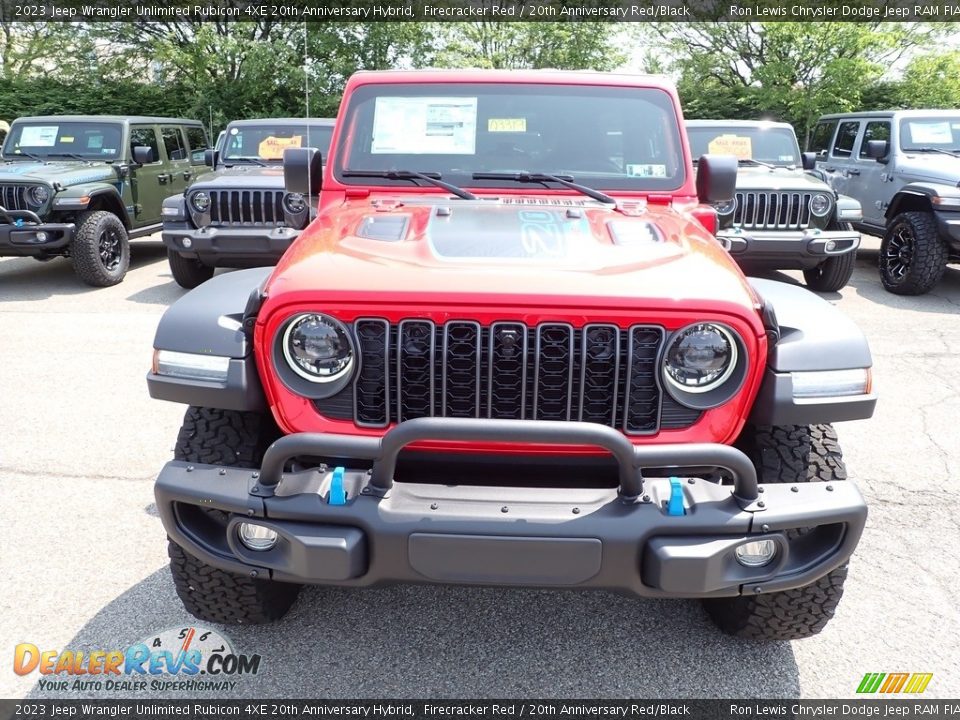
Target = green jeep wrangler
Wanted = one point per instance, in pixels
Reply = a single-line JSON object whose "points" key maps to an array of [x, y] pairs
{"points": [[81, 187]]}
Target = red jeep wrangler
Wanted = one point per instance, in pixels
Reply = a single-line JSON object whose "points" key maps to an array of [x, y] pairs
{"points": [[509, 351]]}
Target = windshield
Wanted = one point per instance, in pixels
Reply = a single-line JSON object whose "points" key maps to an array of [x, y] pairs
{"points": [[268, 141], [941, 133], [613, 138], [771, 145], [88, 140]]}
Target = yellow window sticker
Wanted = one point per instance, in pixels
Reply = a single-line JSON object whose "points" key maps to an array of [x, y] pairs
{"points": [[739, 147], [506, 125], [66, 138], [272, 147]]}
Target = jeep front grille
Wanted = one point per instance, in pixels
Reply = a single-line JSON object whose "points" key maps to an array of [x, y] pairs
{"points": [[14, 197], [599, 373], [772, 210], [246, 207]]}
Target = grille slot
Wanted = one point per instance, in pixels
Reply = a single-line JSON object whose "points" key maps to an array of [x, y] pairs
{"points": [[14, 197], [599, 373], [772, 210], [246, 207]]}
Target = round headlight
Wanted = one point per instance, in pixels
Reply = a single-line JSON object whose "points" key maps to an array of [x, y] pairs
{"points": [[200, 201], [38, 195], [294, 203], [820, 204], [700, 358], [317, 347], [725, 208]]}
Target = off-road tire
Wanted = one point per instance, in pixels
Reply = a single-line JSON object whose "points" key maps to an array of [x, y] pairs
{"points": [[929, 255], [787, 454], [188, 273], [87, 249], [239, 439], [835, 272]]}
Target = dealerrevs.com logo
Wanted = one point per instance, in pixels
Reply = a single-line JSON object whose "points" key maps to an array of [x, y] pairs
{"points": [[187, 659]]}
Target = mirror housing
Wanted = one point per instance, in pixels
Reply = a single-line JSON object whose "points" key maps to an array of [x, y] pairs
{"points": [[809, 160], [302, 171], [143, 154], [878, 149], [210, 157], [716, 178]]}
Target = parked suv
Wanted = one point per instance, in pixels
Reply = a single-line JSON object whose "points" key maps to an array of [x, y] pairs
{"points": [[904, 168], [782, 216], [238, 215], [509, 352], [81, 186]]}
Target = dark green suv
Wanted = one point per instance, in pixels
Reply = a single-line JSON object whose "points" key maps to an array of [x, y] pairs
{"points": [[82, 186]]}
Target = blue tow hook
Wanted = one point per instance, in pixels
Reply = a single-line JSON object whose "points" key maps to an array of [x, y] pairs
{"points": [[338, 495], [675, 503]]}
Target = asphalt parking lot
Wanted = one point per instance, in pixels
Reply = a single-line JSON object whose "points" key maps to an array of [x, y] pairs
{"points": [[83, 561]]}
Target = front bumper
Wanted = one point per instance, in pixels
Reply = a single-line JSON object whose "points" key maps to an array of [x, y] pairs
{"points": [[229, 246], [805, 247], [23, 234], [624, 539]]}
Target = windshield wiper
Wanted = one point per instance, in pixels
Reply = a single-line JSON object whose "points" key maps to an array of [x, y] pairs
{"points": [[543, 178], [22, 154], [755, 162], [257, 161], [951, 153], [430, 177], [68, 155]]}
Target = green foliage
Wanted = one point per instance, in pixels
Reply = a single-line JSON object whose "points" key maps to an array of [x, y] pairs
{"points": [[931, 81]]}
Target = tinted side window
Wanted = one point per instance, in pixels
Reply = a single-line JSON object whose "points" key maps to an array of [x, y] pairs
{"points": [[821, 137], [175, 143], [875, 130], [846, 135], [145, 136], [197, 138]]}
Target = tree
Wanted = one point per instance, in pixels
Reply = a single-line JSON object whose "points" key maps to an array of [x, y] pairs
{"points": [[931, 81]]}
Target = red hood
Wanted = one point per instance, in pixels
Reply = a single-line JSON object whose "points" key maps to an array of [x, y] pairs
{"points": [[549, 250]]}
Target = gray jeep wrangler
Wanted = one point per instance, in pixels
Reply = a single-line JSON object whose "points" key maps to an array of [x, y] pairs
{"points": [[904, 167], [239, 215], [782, 217], [81, 187]]}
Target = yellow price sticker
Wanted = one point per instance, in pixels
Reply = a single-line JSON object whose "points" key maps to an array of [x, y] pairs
{"points": [[272, 147], [739, 147], [507, 125], [66, 139]]}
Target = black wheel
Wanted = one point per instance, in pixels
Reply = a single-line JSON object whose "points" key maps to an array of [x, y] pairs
{"points": [[225, 437], [912, 254], [834, 273], [787, 454], [100, 249], [188, 272]]}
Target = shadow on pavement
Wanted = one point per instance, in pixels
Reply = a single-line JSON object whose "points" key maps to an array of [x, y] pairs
{"points": [[29, 279], [431, 642]]}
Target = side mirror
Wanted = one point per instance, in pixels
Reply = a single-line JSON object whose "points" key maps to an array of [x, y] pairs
{"points": [[878, 149], [142, 154], [302, 170], [809, 160], [210, 157], [716, 178]]}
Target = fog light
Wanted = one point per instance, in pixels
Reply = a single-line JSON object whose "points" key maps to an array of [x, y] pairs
{"points": [[756, 553], [258, 537], [187, 243], [830, 246], [42, 236]]}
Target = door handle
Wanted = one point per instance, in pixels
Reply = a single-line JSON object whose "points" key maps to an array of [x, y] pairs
{"points": [[164, 178], [187, 174], [853, 171], [830, 169]]}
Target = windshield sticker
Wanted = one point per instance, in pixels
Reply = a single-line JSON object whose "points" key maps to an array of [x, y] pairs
{"points": [[272, 147], [39, 136], [646, 171], [66, 138], [739, 147], [938, 133], [425, 125], [94, 142], [507, 125]]}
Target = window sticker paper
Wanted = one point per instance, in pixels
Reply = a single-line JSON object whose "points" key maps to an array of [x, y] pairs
{"points": [[272, 147], [507, 125], [938, 133], [739, 147], [425, 125], [39, 136]]}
